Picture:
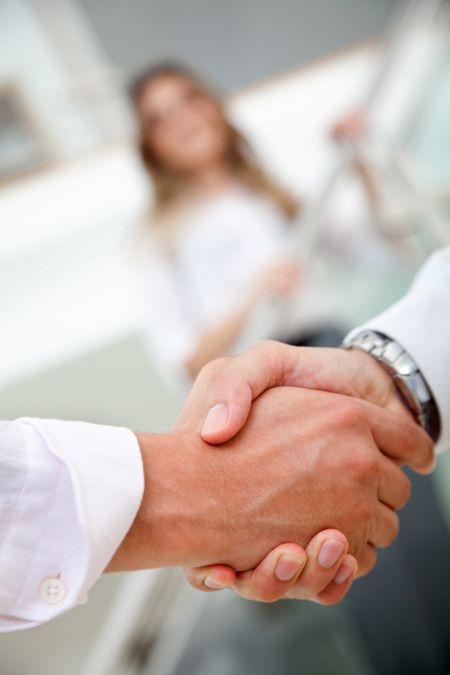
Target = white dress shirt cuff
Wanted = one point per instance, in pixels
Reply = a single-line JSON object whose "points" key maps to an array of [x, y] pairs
{"points": [[83, 487], [420, 322]]}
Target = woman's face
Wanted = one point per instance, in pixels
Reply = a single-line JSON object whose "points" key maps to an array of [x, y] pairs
{"points": [[181, 124]]}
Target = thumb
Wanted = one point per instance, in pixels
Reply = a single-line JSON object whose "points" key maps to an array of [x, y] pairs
{"points": [[232, 385], [229, 386], [227, 415]]}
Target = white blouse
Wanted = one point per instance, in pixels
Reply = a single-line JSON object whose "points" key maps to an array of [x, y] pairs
{"points": [[219, 251]]}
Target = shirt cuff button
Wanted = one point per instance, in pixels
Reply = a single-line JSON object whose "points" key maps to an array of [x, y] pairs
{"points": [[52, 590]]}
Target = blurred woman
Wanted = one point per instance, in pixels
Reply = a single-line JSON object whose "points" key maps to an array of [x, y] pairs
{"points": [[219, 231]]}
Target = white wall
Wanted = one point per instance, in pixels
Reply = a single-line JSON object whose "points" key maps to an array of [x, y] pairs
{"points": [[75, 105], [27, 59]]}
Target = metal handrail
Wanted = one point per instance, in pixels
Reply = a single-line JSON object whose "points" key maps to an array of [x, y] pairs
{"points": [[411, 13], [304, 244]]}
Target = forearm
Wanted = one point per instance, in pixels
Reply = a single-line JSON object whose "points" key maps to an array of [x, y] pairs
{"points": [[143, 547], [203, 506], [177, 520], [368, 183]]}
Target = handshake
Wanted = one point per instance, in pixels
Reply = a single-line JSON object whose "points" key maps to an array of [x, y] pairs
{"points": [[281, 477]]}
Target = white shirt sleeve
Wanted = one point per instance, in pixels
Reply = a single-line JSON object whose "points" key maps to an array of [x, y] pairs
{"points": [[420, 322], [69, 492]]}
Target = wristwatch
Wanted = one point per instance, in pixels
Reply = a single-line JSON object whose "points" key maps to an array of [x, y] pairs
{"points": [[410, 382]]}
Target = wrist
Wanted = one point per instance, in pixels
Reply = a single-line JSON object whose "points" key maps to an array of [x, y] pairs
{"points": [[149, 542], [371, 382], [178, 520], [411, 386]]}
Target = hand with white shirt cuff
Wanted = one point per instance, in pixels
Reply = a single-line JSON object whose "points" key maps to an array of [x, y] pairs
{"points": [[80, 499], [305, 461], [70, 491], [78, 487], [228, 387]]}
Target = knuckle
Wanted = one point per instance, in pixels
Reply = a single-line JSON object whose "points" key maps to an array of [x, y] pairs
{"points": [[264, 347], [369, 466], [192, 579], [262, 593], [364, 513], [360, 522], [357, 549], [362, 465], [420, 446], [393, 529], [264, 344], [372, 561], [428, 448], [367, 510], [369, 561], [267, 589], [269, 597], [386, 533], [215, 370], [402, 494], [350, 414]]}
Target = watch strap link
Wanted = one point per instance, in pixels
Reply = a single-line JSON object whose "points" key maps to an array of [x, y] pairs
{"points": [[406, 374]]}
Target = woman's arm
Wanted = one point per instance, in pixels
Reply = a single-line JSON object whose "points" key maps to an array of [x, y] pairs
{"points": [[352, 128], [219, 338], [278, 279]]}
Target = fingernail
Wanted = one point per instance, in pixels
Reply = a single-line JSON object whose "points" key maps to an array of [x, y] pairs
{"points": [[213, 584], [330, 552], [287, 567], [343, 573], [216, 418]]}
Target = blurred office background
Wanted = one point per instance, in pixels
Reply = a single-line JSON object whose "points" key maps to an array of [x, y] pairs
{"points": [[73, 197]]}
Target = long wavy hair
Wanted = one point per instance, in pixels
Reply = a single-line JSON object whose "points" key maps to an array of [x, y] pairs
{"points": [[169, 186]]}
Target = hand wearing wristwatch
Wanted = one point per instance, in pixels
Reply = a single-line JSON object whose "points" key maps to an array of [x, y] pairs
{"points": [[410, 382]]}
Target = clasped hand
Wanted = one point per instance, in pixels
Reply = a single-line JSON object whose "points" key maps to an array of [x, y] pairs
{"points": [[300, 445]]}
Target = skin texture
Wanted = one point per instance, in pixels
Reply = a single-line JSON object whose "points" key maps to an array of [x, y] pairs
{"points": [[286, 476], [315, 455], [233, 383]]}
